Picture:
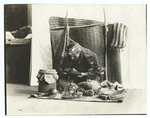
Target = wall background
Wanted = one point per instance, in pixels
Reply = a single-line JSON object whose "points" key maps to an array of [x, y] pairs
{"points": [[15, 16], [134, 56]]}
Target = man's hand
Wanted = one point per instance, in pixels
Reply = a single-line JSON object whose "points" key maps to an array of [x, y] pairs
{"points": [[82, 75]]}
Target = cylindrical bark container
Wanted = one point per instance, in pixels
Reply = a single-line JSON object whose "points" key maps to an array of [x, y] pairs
{"points": [[47, 80]]}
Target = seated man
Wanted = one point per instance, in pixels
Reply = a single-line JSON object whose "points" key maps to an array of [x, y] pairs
{"points": [[82, 66]]}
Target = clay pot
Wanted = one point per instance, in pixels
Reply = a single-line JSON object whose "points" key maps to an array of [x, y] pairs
{"points": [[47, 80]]}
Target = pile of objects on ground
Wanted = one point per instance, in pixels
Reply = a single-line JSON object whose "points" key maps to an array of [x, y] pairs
{"points": [[48, 88]]}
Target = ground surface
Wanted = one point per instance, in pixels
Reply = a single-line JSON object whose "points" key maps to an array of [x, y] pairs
{"points": [[18, 103]]}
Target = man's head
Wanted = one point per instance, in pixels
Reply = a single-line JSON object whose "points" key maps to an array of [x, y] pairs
{"points": [[74, 51]]}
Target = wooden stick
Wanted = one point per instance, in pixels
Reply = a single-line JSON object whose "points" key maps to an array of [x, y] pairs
{"points": [[106, 29]]}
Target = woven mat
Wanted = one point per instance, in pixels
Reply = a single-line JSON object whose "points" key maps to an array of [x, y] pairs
{"points": [[94, 98]]}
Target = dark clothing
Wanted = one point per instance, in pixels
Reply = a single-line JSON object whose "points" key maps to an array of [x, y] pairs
{"points": [[88, 62]]}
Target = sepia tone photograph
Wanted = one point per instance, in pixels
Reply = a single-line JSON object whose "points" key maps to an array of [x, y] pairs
{"points": [[75, 59]]}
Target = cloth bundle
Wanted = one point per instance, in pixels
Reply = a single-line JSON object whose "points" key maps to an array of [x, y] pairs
{"points": [[119, 37], [22, 32], [111, 91]]}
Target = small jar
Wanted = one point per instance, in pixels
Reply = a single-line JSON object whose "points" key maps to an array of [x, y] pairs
{"points": [[47, 80]]}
